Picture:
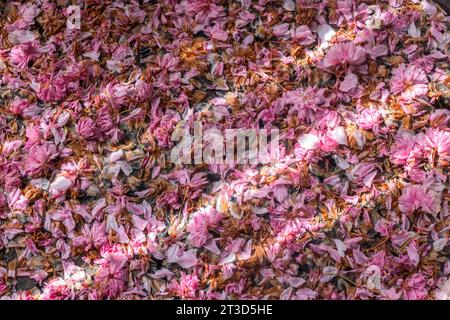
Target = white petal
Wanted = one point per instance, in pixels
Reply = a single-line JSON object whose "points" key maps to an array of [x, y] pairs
{"points": [[339, 135], [21, 36], [61, 183], [439, 244], [309, 141], [289, 5], [325, 32]]}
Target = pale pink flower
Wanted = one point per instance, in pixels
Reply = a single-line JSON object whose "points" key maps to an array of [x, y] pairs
{"points": [[38, 159], [121, 58], [187, 287], [21, 55], [51, 88], [162, 129], [440, 118], [86, 128], [203, 10], [18, 105], [11, 176], [218, 33], [56, 289], [344, 54], [328, 143], [199, 224], [143, 89], [407, 150], [118, 94], [94, 236], [104, 120], [303, 35], [112, 276], [350, 82], [369, 118], [305, 102], [415, 287], [439, 141], [170, 198], [409, 81], [28, 12], [415, 197]]}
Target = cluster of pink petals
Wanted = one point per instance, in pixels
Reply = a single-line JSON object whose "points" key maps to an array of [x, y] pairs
{"points": [[354, 205], [200, 223], [416, 197], [112, 275], [409, 82], [344, 54]]}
